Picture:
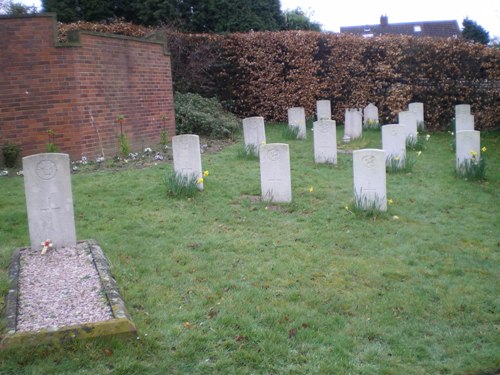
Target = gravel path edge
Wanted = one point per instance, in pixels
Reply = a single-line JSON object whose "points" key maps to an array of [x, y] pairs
{"points": [[120, 325]]}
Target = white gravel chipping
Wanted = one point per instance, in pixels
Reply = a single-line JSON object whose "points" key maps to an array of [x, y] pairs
{"points": [[58, 289]]}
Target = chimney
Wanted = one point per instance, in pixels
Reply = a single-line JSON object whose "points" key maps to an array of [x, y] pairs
{"points": [[384, 20]]}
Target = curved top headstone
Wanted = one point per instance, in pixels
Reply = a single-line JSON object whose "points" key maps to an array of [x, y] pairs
{"points": [[49, 200]]}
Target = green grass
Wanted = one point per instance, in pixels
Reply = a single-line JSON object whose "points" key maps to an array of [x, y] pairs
{"points": [[222, 283]]}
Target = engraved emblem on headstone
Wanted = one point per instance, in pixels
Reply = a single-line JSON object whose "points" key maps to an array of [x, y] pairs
{"points": [[368, 160], [273, 154], [46, 169]]}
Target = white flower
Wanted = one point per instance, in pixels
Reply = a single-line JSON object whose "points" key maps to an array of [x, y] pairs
{"points": [[427, 136], [99, 159], [158, 156], [75, 168], [147, 150], [20, 173], [5, 172]]}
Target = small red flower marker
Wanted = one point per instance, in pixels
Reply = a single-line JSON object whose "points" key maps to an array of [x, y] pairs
{"points": [[46, 245]]}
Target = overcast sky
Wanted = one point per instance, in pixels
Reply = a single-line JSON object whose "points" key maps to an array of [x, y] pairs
{"points": [[333, 14]]}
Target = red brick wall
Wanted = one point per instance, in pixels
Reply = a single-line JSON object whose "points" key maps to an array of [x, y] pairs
{"points": [[79, 89]]}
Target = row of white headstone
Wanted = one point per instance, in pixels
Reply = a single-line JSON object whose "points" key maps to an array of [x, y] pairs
{"points": [[355, 118], [49, 198], [467, 140]]}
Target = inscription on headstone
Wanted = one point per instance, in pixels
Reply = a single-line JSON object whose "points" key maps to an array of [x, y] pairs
{"points": [[370, 179], [187, 156], [49, 199], [394, 142], [275, 177], [325, 141]]}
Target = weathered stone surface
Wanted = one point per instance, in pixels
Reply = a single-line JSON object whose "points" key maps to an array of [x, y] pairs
{"points": [[464, 122], [325, 141], [323, 110], [468, 146], [394, 142], [418, 109], [275, 177], [353, 125], [370, 179], [49, 200], [297, 118], [187, 156], [462, 109], [254, 133], [409, 119], [370, 114]]}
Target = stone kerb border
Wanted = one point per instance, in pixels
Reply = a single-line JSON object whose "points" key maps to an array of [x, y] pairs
{"points": [[120, 325]]}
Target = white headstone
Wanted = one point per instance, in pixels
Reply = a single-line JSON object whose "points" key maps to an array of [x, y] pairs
{"points": [[418, 109], [275, 177], [325, 141], [462, 109], [409, 119], [187, 156], [297, 118], [254, 133], [370, 115], [464, 122], [49, 200], [353, 123], [394, 142], [468, 146], [370, 179], [324, 110]]}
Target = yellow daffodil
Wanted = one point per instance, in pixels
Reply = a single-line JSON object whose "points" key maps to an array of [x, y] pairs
{"points": [[390, 201], [205, 173], [396, 158], [484, 149], [311, 189], [419, 153], [473, 153], [346, 208], [200, 180]]}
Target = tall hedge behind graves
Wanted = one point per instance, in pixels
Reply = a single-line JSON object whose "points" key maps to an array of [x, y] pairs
{"points": [[266, 73]]}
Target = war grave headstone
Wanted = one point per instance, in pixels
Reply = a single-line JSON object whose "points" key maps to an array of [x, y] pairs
{"points": [[254, 133], [370, 116], [325, 141], [394, 143], [462, 109], [323, 110], [353, 123], [297, 119], [418, 109], [370, 191], [409, 119], [468, 148], [275, 177], [58, 284], [464, 122], [187, 157]]}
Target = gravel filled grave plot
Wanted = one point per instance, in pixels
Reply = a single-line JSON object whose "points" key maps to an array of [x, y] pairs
{"points": [[60, 288]]}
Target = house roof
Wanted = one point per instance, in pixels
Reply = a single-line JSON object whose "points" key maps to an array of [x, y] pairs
{"points": [[439, 29]]}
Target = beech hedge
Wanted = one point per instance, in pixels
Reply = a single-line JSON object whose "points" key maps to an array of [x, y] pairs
{"points": [[265, 73]]}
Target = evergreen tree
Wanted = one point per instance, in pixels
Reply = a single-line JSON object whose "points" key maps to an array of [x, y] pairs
{"points": [[297, 19], [75, 10], [475, 32]]}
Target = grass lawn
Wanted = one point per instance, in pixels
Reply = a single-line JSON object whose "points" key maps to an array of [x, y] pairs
{"points": [[223, 283]]}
